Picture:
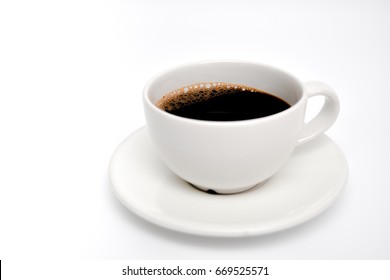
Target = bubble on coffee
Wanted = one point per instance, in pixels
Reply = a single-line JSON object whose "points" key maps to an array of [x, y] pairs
{"points": [[195, 93], [220, 101]]}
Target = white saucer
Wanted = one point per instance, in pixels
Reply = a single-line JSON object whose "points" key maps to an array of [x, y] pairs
{"points": [[303, 188]]}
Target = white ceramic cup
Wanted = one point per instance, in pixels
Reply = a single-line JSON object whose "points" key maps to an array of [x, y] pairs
{"points": [[233, 156]]}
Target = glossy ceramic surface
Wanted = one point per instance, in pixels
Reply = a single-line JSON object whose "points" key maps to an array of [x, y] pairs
{"points": [[232, 156]]}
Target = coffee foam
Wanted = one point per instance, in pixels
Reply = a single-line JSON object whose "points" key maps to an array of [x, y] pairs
{"points": [[199, 92]]}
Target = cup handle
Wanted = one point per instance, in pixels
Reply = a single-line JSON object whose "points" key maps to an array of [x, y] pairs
{"points": [[326, 117]]}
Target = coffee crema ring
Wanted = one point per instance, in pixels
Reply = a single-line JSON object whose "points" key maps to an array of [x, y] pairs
{"points": [[199, 92]]}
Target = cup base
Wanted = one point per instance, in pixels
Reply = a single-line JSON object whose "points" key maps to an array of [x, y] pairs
{"points": [[210, 190]]}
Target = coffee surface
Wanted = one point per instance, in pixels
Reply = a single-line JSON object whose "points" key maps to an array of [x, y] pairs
{"points": [[216, 101]]}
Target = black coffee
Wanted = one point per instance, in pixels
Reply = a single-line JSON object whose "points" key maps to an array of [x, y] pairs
{"points": [[221, 102]]}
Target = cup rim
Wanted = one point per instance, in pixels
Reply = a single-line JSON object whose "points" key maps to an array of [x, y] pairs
{"points": [[173, 117]]}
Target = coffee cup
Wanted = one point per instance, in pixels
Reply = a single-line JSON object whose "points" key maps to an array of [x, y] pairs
{"points": [[229, 155]]}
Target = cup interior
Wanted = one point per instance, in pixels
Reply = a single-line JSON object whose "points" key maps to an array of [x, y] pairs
{"points": [[262, 77]]}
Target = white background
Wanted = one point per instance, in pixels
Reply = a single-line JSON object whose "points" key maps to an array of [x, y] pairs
{"points": [[71, 78]]}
